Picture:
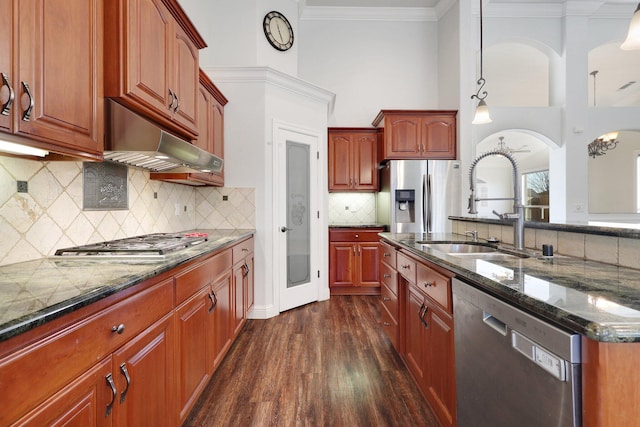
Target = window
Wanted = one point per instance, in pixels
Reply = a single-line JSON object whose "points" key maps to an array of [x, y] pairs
{"points": [[535, 190]]}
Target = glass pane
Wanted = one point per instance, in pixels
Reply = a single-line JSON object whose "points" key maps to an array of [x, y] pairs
{"points": [[298, 215], [536, 196]]}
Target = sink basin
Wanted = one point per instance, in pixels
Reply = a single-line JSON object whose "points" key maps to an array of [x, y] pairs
{"points": [[470, 249], [459, 248]]}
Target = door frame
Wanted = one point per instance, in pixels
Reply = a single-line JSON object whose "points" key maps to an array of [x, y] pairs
{"points": [[319, 263]]}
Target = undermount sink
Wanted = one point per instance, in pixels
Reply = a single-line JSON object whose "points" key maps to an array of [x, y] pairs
{"points": [[471, 249]]}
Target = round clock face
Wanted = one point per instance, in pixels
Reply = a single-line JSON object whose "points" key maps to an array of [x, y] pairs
{"points": [[278, 31]]}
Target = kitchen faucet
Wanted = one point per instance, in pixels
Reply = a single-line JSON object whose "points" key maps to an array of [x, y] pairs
{"points": [[518, 207]]}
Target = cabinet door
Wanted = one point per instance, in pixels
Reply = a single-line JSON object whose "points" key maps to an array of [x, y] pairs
{"points": [[239, 316], [342, 271], [441, 369], [6, 63], [402, 137], [148, 50], [185, 80], [204, 139], [86, 402], [144, 373], [59, 95], [415, 334], [340, 175], [217, 136], [248, 284], [438, 136], [193, 339], [222, 314], [365, 161], [368, 266]]}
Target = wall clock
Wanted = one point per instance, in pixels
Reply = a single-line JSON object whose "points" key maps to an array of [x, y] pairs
{"points": [[278, 31]]}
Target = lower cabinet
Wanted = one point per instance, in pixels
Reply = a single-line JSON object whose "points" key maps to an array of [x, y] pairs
{"points": [[426, 330], [353, 261], [141, 360]]}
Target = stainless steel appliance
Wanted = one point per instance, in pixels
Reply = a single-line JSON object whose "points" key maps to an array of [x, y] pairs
{"points": [[155, 245], [512, 369], [418, 196]]}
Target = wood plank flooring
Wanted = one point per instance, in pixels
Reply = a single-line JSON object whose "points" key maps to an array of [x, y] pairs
{"points": [[323, 364]]}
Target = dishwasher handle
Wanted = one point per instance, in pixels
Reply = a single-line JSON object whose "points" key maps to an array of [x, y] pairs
{"points": [[494, 323]]}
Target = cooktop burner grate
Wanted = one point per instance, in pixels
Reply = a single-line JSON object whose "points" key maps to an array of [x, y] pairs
{"points": [[157, 244]]}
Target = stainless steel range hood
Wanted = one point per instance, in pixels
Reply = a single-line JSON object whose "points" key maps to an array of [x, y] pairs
{"points": [[135, 141]]}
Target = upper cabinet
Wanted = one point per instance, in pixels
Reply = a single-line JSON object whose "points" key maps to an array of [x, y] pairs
{"points": [[51, 75], [353, 159], [211, 104], [417, 134], [151, 61]]}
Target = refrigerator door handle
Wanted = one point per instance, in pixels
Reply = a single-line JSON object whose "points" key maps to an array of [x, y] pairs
{"points": [[426, 203]]}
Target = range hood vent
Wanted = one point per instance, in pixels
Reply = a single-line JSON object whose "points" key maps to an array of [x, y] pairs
{"points": [[135, 141]]}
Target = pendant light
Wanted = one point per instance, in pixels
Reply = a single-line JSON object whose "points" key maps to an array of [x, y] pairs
{"points": [[633, 36], [482, 110]]}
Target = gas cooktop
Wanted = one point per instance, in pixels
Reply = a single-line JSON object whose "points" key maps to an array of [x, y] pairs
{"points": [[149, 245]]}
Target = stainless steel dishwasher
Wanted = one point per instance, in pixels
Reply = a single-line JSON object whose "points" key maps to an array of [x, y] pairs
{"points": [[512, 369]]}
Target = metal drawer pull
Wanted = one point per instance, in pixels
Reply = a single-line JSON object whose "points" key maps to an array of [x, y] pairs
{"points": [[6, 107], [405, 266], [245, 250], [245, 270], [387, 324], [173, 99], [428, 284], [114, 393], [118, 329], [386, 299], [123, 369], [386, 276], [27, 113], [386, 254], [214, 301], [421, 314]]}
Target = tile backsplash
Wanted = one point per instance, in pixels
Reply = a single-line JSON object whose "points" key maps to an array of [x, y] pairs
{"points": [[352, 208], [50, 215]]}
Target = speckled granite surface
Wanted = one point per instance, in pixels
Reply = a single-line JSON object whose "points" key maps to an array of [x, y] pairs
{"points": [[597, 300], [34, 292]]}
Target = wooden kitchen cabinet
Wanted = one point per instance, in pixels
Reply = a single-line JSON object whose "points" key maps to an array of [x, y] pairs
{"points": [[353, 159], [417, 134], [242, 282], [353, 261], [211, 104], [427, 331], [51, 91], [152, 61], [389, 295]]}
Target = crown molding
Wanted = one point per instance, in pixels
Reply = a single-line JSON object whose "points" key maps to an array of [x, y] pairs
{"points": [[406, 14]]}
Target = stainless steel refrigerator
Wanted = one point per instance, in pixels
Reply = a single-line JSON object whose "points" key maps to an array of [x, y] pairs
{"points": [[418, 196]]}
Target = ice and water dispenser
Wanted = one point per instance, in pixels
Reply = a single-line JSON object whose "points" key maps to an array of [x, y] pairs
{"points": [[405, 206]]}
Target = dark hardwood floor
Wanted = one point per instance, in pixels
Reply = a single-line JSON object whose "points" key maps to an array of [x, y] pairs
{"points": [[324, 364]]}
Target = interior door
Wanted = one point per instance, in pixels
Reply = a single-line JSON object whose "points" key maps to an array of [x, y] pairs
{"points": [[298, 191]]}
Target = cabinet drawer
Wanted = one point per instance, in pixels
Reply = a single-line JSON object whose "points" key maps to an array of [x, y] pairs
{"points": [[195, 278], [355, 235], [389, 278], [390, 327], [242, 249], [388, 254], [389, 301], [406, 267], [437, 286], [63, 356]]}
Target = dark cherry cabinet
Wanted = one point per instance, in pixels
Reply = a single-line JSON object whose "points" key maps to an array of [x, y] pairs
{"points": [[417, 134], [51, 77], [353, 261], [389, 293], [152, 61], [353, 159]]}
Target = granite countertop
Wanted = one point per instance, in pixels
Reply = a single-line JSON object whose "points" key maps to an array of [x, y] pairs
{"points": [[597, 300], [34, 292], [358, 226]]}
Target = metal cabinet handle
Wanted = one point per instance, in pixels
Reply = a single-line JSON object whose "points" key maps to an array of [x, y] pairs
{"points": [[424, 322], [177, 107], [405, 266], [123, 369], [386, 254], [118, 329], [386, 324], [214, 301], [245, 270], [386, 276], [6, 107], [284, 229], [429, 284], [173, 99], [245, 250], [27, 113], [386, 299], [114, 393]]}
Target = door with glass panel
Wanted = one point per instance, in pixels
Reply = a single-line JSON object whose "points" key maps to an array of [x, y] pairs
{"points": [[298, 212]]}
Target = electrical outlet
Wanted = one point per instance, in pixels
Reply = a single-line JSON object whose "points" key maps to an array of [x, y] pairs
{"points": [[177, 208], [225, 198], [578, 208], [155, 194], [23, 187], [346, 208]]}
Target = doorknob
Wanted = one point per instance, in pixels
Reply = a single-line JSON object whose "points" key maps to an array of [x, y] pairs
{"points": [[284, 229]]}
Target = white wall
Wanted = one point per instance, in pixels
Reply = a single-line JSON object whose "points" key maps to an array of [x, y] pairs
{"points": [[371, 65]]}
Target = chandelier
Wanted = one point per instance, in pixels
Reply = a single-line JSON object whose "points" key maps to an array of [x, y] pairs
{"points": [[602, 144]]}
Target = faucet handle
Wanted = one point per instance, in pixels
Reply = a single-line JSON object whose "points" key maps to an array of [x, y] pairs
{"points": [[473, 234]]}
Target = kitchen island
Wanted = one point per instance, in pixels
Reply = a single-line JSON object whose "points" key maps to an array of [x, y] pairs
{"points": [[120, 340], [599, 301]]}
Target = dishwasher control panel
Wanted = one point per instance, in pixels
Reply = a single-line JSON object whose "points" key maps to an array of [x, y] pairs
{"points": [[540, 356]]}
